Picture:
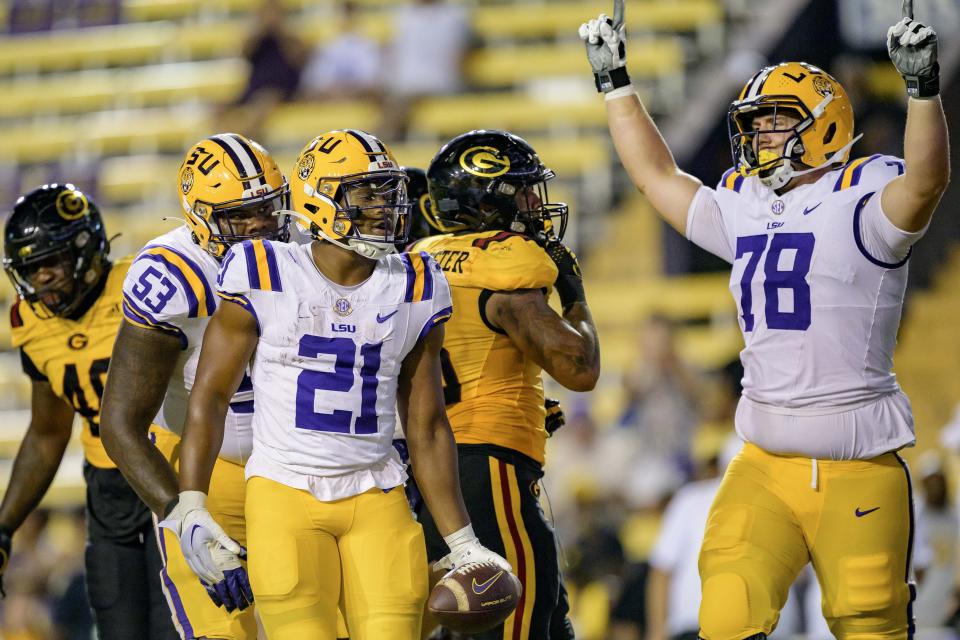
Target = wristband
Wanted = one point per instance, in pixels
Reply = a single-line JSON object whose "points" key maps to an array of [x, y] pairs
{"points": [[613, 79]]}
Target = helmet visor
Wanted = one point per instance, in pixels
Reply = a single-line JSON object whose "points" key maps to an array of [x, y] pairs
{"points": [[261, 217], [47, 279], [374, 207], [753, 125]]}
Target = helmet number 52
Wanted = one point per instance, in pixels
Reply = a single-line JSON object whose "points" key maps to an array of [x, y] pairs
{"points": [[777, 279]]}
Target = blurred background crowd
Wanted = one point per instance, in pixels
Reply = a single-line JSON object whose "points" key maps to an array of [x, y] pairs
{"points": [[108, 94]]}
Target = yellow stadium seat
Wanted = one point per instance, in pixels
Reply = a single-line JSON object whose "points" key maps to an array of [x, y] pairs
{"points": [[510, 65], [297, 123], [448, 116], [90, 47]]}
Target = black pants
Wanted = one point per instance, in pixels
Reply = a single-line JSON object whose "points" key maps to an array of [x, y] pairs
{"points": [[123, 562], [501, 490]]}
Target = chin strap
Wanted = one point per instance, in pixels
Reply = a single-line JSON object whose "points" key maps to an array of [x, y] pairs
{"points": [[785, 173]]}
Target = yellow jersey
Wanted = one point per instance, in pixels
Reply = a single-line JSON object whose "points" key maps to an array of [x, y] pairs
{"points": [[73, 355], [493, 392]]}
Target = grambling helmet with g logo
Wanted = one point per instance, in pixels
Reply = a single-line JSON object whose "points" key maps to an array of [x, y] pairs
{"points": [[231, 190]]}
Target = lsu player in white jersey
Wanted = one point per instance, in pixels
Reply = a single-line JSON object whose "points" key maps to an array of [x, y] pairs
{"points": [[819, 245], [343, 335], [230, 189]]}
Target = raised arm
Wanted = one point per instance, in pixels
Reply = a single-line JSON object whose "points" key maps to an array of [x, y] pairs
{"points": [[140, 369], [910, 199], [228, 344], [641, 148]]}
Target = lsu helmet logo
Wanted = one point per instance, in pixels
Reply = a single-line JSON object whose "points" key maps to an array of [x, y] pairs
{"points": [[485, 162], [186, 180], [305, 166], [72, 205], [823, 86]]}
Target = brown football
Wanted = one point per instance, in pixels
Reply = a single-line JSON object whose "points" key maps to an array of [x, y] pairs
{"points": [[474, 598]]}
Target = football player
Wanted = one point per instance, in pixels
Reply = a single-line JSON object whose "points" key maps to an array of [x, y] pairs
{"points": [[342, 333], [64, 322], [230, 189], [819, 245], [489, 188]]}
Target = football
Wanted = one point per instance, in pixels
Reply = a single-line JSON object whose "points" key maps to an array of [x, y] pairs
{"points": [[476, 597]]}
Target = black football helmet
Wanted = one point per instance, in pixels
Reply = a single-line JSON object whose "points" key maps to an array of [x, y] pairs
{"points": [[488, 179], [423, 219], [55, 225]]}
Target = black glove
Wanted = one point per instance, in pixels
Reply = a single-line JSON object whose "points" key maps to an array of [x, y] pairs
{"points": [[605, 40], [569, 284], [6, 538], [555, 418], [913, 50]]}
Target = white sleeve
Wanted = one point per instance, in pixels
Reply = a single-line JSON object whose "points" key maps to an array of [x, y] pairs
{"points": [[439, 307], [878, 238], [162, 288], [233, 280], [705, 226], [671, 542]]}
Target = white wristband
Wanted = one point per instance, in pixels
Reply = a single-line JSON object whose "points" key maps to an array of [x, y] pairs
{"points": [[620, 92], [460, 537]]}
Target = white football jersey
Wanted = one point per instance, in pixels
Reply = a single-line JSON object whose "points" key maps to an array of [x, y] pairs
{"points": [[819, 274], [326, 367], [171, 287]]}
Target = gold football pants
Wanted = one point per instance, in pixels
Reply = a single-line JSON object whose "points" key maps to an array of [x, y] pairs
{"points": [[852, 519], [194, 614], [365, 553]]}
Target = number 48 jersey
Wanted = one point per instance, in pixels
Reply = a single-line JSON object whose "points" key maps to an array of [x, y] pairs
{"points": [[819, 274], [327, 363]]}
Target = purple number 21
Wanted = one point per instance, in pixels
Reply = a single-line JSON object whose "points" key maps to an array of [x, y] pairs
{"points": [[793, 279], [340, 379]]}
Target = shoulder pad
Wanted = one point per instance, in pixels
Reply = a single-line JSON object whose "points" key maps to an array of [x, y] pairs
{"points": [[259, 258], [23, 322], [731, 180], [500, 261], [870, 171], [184, 273], [423, 274]]}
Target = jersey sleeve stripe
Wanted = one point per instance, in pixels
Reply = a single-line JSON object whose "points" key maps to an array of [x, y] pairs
{"points": [[855, 179], [243, 302], [272, 267], [251, 258], [732, 180], [850, 176], [427, 277], [411, 277], [859, 240], [438, 318], [144, 320], [195, 285], [417, 261]]}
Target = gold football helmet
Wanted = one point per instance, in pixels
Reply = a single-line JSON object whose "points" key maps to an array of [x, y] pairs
{"points": [[348, 189], [231, 190], [823, 136]]}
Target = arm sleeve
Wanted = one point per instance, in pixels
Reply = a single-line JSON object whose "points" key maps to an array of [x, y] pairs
{"points": [[33, 372], [705, 224], [157, 296], [669, 548]]}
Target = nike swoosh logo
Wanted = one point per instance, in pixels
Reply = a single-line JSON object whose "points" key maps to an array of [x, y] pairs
{"points": [[382, 319], [810, 209], [860, 514], [192, 532], [482, 587]]}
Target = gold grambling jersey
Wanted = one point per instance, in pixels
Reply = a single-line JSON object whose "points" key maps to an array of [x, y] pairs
{"points": [[73, 355], [494, 393]]}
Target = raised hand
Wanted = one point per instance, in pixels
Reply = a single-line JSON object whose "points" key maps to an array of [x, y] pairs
{"points": [[605, 41], [913, 50]]}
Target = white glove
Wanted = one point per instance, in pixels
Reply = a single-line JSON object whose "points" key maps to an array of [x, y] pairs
{"points": [[209, 551], [605, 40], [913, 50], [465, 548]]}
